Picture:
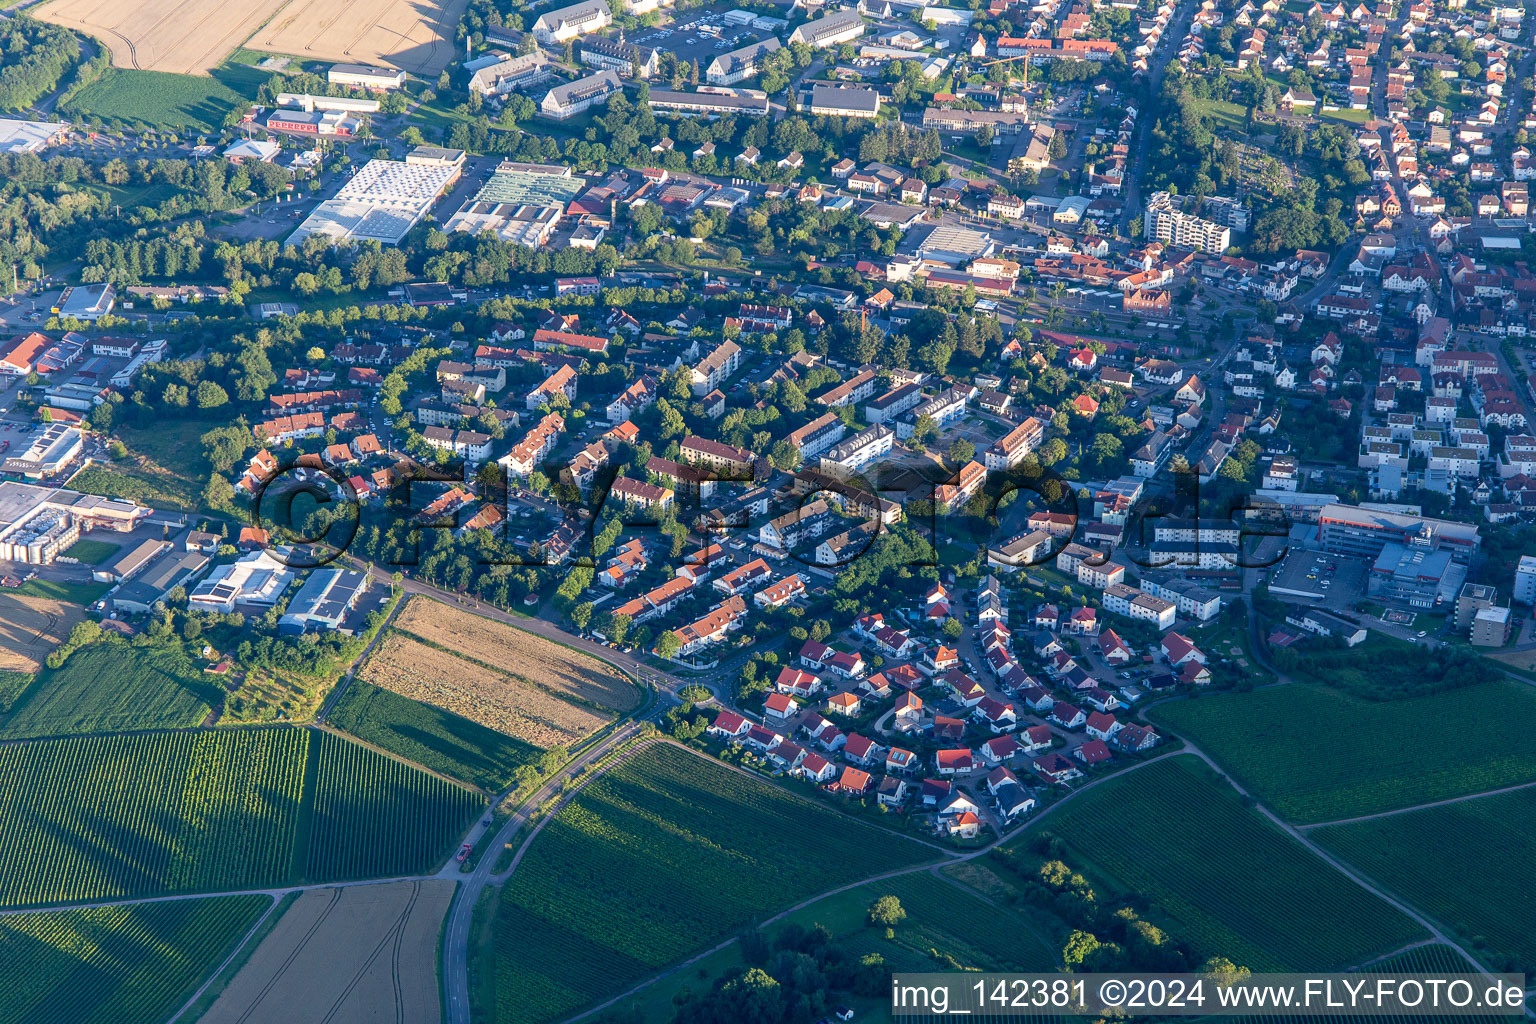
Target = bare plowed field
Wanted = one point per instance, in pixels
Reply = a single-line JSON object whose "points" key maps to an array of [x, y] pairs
{"points": [[518, 652], [186, 37], [405, 34], [412, 669], [359, 954], [30, 627]]}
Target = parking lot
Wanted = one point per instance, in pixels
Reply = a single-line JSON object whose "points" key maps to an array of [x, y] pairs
{"points": [[703, 37], [1317, 577]]}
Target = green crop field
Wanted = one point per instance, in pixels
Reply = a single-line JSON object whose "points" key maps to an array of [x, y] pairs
{"points": [[92, 552], [12, 686], [76, 593], [430, 736], [151, 486], [659, 858], [946, 925], [154, 99], [1232, 883], [116, 965], [106, 817], [113, 687], [946, 921], [1314, 754], [1409, 854], [375, 816]]}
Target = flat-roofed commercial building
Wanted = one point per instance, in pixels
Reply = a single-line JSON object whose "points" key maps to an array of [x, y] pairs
{"points": [[1352, 530], [715, 102], [323, 601], [844, 101], [49, 452], [834, 29], [155, 582], [363, 77], [382, 202]]}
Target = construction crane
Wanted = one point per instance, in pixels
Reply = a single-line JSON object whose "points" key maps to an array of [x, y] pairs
{"points": [[1009, 60]]}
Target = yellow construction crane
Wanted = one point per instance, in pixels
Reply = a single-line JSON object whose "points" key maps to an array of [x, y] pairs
{"points": [[1009, 60]]}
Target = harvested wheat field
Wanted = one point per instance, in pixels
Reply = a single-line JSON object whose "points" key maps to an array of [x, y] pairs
{"points": [[30, 627], [518, 652], [406, 34], [351, 955], [189, 37], [405, 665]]}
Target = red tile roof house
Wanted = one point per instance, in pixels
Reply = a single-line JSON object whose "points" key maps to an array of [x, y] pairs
{"points": [[853, 782], [1194, 673], [1067, 716], [954, 762], [1093, 752], [1178, 649], [861, 749], [817, 768], [899, 760], [849, 666], [1101, 726], [998, 776], [1035, 738], [999, 749], [945, 728], [1114, 650], [877, 686], [964, 825], [940, 659], [796, 683], [1101, 698], [1136, 738], [844, 704], [867, 625], [762, 738], [729, 725], [936, 791], [1053, 767], [814, 655], [909, 711], [780, 706], [996, 715]]}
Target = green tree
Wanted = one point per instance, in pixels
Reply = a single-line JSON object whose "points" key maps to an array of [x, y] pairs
{"points": [[668, 644], [887, 912], [211, 395]]}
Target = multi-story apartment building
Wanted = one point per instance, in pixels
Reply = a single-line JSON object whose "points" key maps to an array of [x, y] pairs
{"points": [[1009, 450], [861, 449], [1168, 224], [717, 367]]}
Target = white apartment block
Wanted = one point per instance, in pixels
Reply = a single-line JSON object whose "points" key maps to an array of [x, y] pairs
{"points": [[1166, 223]]}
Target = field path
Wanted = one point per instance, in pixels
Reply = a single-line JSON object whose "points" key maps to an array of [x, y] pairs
{"points": [[277, 892], [456, 930], [955, 858], [1417, 807], [1344, 869], [346, 680], [246, 938]]}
